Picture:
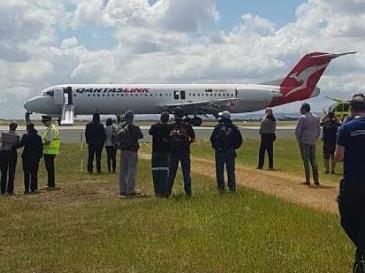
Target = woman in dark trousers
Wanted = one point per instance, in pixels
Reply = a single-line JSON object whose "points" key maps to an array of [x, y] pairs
{"points": [[32, 154], [267, 132], [110, 148]]}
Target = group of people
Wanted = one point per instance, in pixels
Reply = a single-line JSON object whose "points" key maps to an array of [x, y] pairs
{"points": [[170, 147], [35, 147], [307, 132]]}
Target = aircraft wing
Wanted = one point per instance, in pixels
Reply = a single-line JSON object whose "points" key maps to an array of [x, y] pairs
{"points": [[203, 107]]}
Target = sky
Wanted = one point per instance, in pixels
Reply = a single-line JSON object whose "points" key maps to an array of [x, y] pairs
{"points": [[47, 42]]}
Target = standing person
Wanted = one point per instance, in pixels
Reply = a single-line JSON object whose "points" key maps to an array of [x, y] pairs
{"points": [[329, 136], [160, 155], [307, 132], [32, 154], [181, 136], [111, 149], [351, 149], [267, 133], [128, 136], [95, 138], [225, 139], [9, 157], [51, 148]]}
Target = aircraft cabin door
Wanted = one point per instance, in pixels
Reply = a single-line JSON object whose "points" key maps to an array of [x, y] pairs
{"points": [[59, 98], [68, 94]]}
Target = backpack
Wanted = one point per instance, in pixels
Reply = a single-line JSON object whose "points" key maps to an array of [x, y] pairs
{"points": [[123, 138], [225, 138], [178, 135]]}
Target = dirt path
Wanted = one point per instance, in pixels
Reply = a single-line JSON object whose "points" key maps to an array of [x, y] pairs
{"points": [[276, 183]]}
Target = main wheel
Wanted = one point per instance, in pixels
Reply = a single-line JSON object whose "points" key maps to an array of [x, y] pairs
{"points": [[196, 121]]}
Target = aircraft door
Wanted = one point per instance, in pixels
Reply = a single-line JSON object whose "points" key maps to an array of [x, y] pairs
{"points": [[182, 95], [68, 94], [59, 98]]}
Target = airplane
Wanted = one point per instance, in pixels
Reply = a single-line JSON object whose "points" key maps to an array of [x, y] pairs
{"points": [[68, 100]]}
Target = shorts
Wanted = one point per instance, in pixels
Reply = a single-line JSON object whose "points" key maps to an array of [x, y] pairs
{"points": [[329, 151]]}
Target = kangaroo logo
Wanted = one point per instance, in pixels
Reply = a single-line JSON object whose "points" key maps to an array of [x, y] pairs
{"points": [[303, 77]]}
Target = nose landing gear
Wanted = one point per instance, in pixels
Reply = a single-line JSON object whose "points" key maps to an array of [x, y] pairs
{"points": [[27, 117]]}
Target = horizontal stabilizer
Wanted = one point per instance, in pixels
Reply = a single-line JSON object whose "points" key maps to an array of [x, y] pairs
{"points": [[273, 82]]}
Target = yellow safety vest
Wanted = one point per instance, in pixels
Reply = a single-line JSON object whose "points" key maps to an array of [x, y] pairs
{"points": [[52, 148]]}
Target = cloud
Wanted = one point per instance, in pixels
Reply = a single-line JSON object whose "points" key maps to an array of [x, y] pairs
{"points": [[42, 43]]}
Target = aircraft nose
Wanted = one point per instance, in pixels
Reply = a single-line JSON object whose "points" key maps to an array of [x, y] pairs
{"points": [[34, 104]]}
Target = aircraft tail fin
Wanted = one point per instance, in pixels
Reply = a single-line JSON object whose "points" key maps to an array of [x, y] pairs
{"points": [[300, 83]]}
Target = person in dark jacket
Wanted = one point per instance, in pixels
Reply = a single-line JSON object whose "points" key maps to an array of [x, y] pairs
{"points": [[329, 137], [128, 136], [225, 139], [32, 154], [161, 155], [267, 133], [9, 158], [181, 136], [95, 138], [111, 149]]}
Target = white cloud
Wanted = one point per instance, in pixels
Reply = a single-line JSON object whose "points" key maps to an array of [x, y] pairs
{"points": [[171, 41]]}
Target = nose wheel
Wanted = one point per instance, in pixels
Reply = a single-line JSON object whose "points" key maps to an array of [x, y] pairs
{"points": [[27, 117]]}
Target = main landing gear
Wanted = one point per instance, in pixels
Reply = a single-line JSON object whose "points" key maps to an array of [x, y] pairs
{"points": [[195, 121]]}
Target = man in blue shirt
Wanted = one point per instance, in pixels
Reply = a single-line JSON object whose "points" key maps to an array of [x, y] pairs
{"points": [[350, 149]]}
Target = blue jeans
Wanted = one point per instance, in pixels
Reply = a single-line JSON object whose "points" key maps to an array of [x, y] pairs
{"points": [[227, 158], [184, 159], [160, 172]]}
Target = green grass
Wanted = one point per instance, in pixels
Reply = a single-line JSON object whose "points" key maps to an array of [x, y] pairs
{"points": [[85, 227]]}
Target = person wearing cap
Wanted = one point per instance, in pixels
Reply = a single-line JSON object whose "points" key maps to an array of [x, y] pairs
{"points": [[225, 139], [128, 136], [181, 136], [160, 154], [95, 138], [351, 149], [32, 154], [51, 148], [9, 157], [267, 133], [307, 133], [329, 136]]}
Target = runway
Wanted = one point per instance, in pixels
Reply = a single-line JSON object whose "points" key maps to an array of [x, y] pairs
{"points": [[75, 134]]}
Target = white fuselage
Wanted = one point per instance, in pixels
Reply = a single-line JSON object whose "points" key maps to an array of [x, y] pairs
{"points": [[152, 98]]}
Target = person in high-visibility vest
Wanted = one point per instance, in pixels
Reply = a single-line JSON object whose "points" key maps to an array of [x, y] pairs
{"points": [[51, 148]]}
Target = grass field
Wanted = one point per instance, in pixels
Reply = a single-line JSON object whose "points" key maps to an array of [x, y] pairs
{"points": [[85, 227]]}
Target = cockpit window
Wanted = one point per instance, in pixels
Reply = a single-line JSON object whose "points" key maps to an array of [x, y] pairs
{"points": [[49, 93]]}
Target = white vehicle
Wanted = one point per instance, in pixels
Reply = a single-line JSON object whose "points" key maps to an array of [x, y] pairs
{"points": [[67, 100]]}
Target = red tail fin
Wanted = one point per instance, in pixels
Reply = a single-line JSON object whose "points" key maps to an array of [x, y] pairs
{"points": [[300, 84]]}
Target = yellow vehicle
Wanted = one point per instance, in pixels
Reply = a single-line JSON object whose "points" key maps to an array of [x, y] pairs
{"points": [[341, 109]]}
